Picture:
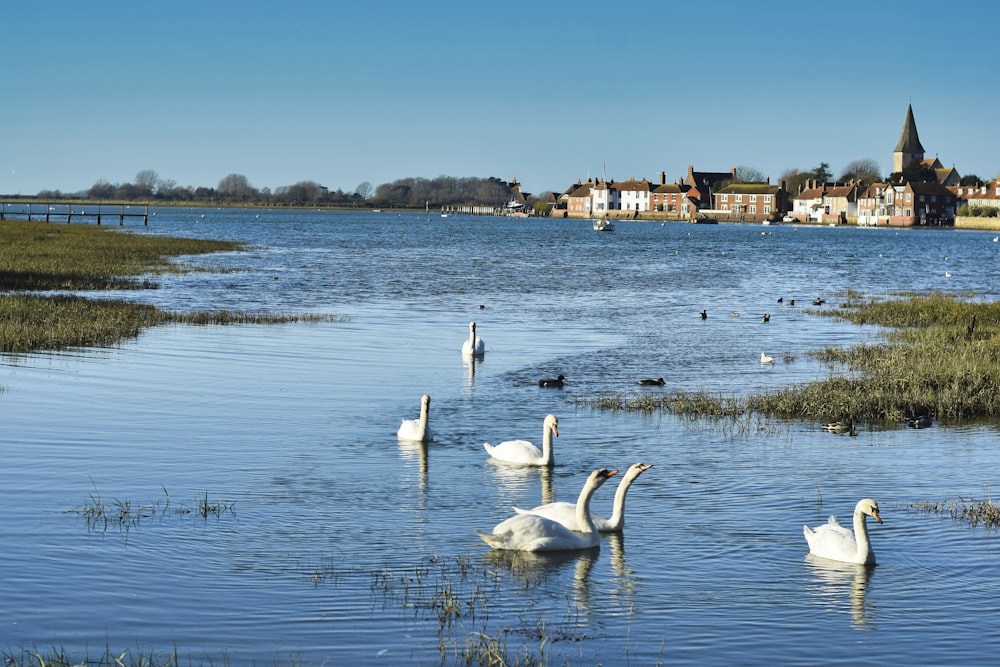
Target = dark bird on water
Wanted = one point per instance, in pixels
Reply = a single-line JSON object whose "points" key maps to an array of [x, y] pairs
{"points": [[552, 382], [766, 318], [647, 382], [923, 421], [704, 314]]}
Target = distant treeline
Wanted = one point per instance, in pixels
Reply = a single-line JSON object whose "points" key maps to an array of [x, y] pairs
{"points": [[236, 189]]}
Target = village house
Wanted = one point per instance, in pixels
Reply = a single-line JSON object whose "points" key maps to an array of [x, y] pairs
{"points": [[751, 199], [826, 202], [634, 195], [979, 196], [907, 204]]}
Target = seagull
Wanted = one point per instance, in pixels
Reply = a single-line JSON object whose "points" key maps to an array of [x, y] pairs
{"points": [[764, 359]]}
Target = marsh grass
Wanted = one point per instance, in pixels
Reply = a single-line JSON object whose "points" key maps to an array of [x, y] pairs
{"points": [[970, 510], [44, 256], [939, 355], [126, 515], [50, 256]]}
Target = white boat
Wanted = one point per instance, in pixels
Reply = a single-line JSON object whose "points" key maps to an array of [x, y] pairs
{"points": [[602, 224]]}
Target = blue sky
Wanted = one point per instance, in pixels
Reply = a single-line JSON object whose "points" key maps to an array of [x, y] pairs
{"points": [[343, 93]]}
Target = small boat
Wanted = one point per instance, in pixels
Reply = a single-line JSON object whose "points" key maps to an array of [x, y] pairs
{"points": [[704, 220], [602, 224]]}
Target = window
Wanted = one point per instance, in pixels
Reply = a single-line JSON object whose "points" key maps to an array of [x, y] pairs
{"points": [[739, 198], [753, 198], [724, 198], [752, 208], [767, 210], [767, 199]]}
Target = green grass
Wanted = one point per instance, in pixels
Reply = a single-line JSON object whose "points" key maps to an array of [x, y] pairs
{"points": [[36, 256], [939, 356]]}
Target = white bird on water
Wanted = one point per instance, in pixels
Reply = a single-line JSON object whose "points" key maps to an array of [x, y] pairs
{"points": [[474, 346], [834, 542], [765, 359], [530, 532], [417, 430]]}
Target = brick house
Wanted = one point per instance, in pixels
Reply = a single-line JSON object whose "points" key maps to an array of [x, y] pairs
{"points": [[826, 202], [757, 200]]}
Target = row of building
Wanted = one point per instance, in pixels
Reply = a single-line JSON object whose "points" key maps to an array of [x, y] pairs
{"points": [[717, 195]]}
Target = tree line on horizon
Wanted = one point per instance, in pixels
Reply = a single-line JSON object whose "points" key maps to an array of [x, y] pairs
{"points": [[417, 192], [236, 189]]}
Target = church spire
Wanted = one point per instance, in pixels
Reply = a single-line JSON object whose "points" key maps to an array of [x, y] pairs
{"points": [[909, 148], [909, 141]]}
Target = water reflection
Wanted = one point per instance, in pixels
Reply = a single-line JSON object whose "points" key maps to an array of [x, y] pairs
{"points": [[411, 451], [615, 543], [833, 582], [470, 367], [514, 480], [533, 568]]}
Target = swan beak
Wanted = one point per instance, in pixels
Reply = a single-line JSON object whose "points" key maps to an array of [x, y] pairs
{"points": [[610, 473], [555, 430], [877, 517]]}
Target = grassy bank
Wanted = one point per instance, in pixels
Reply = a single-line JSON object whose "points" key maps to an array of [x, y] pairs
{"points": [[939, 357], [37, 256]]}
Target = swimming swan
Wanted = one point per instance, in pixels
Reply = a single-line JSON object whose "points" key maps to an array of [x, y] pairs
{"points": [[525, 452], [530, 532], [565, 512], [833, 541], [474, 346], [766, 359], [417, 430]]}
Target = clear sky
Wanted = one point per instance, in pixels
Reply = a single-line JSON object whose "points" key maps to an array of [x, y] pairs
{"points": [[546, 92]]}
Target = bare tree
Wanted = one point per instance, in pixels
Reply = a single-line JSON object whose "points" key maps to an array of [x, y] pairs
{"points": [[866, 171], [145, 182], [364, 190], [235, 186], [746, 174]]}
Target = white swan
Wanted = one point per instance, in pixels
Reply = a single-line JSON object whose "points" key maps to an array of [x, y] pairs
{"points": [[834, 542], [766, 359], [474, 346], [417, 430], [565, 512], [530, 532], [525, 452]]}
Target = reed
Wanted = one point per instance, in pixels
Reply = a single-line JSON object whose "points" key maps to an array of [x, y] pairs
{"points": [[43, 256], [49, 256], [939, 356]]}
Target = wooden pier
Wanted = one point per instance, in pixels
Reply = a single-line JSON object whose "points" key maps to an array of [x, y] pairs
{"points": [[60, 212]]}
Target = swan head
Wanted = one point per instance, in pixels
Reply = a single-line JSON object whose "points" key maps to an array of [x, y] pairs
{"points": [[472, 327], [601, 475], [637, 469], [552, 423], [425, 401], [869, 507]]}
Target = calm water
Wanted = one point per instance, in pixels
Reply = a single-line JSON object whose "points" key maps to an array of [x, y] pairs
{"points": [[333, 542]]}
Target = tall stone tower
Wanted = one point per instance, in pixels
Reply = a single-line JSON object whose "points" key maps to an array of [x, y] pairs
{"points": [[908, 149]]}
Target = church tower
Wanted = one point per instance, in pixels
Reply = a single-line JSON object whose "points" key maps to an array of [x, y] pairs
{"points": [[908, 149]]}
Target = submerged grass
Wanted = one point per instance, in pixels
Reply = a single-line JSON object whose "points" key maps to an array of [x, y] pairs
{"points": [[939, 356], [45, 256]]}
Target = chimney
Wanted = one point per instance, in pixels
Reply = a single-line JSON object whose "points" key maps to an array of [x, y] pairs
{"points": [[663, 178]]}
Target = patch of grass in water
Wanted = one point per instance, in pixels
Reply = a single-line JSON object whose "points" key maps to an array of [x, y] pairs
{"points": [[940, 356]]}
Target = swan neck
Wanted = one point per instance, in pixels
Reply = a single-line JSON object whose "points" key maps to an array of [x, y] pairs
{"points": [[547, 458], [861, 532], [422, 424], [617, 518], [584, 521]]}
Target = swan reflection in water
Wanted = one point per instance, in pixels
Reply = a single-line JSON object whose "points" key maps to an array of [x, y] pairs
{"points": [[410, 452], [833, 581], [514, 481], [470, 367], [624, 575], [531, 569]]}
